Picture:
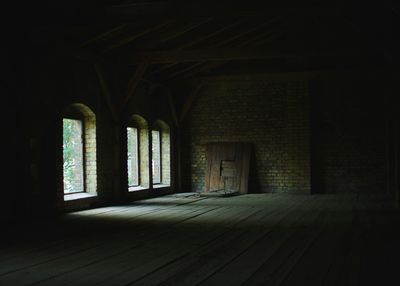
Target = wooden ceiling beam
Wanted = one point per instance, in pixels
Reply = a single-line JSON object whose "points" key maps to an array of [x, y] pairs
{"points": [[106, 91], [173, 56], [134, 82], [200, 68], [103, 35], [189, 102], [297, 75], [255, 38], [199, 40], [225, 54], [209, 35], [217, 44], [177, 30], [191, 67], [183, 9], [135, 36], [243, 33], [172, 109], [185, 29]]}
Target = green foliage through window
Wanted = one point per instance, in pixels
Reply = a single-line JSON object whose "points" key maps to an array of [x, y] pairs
{"points": [[156, 156], [133, 157], [73, 156]]}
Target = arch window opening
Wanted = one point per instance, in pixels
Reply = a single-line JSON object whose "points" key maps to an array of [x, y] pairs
{"points": [[137, 154], [161, 154], [156, 156], [73, 158], [79, 174], [133, 157]]}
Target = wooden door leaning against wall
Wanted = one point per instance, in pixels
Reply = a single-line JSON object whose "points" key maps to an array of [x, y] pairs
{"points": [[228, 167]]}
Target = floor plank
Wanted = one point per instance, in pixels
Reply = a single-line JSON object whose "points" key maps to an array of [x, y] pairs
{"points": [[184, 239]]}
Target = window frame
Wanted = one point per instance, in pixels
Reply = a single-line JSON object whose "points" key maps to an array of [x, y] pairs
{"points": [[160, 156], [77, 116], [140, 123], [82, 112], [165, 144], [138, 146]]}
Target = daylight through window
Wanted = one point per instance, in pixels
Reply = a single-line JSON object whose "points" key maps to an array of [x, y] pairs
{"points": [[156, 156], [73, 163], [133, 156]]}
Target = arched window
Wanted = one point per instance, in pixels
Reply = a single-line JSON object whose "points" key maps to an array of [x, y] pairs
{"points": [[161, 154], [79, 150], [137, 133]]}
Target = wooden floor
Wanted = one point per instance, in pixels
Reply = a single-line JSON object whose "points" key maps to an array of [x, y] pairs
{"points": [[258, 239]]}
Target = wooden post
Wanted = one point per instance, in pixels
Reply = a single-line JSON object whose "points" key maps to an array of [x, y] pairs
{"points": [[172, 108], [117, 132], [189, 102], [106, 91], [134, 82], [396, 161], [177, 144]]}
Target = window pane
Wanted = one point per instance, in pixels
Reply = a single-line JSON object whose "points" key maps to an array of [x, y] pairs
{"points": [[133, 157], [156, 156], [73, 156]]}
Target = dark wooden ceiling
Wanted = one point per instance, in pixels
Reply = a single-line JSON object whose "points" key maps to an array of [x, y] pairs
{"points": [[176, 40]]}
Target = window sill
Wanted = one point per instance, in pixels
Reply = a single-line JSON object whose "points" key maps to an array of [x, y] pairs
{"points": [[159, 186], [78, 196], [138, 188]]}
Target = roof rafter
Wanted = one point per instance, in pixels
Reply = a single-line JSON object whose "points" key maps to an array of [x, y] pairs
{"points": [[199, 40], [200, 67], [183, 30], [103, 35], [181, 9], [226, 54], [134, 82], [135, 36], [225, 41]]}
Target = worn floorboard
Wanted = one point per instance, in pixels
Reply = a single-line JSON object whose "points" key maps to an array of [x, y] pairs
{"points": [[183, 239]]}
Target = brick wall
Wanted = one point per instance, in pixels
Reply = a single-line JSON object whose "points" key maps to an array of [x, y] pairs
{"points": [[271, 115], [348, 137], [90, 154], [56, 88]]}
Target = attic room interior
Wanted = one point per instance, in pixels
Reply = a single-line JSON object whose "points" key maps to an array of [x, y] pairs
{"points": [[200, 143]]}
